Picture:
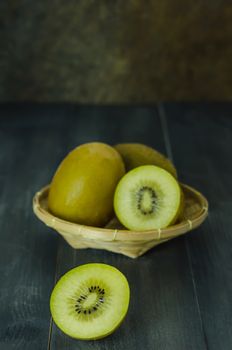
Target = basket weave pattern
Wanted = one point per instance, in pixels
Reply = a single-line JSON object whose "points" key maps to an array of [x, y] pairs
{"points": [[114, 237]]}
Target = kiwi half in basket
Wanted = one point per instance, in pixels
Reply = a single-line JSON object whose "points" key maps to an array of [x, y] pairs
{"points": [[90, 301], [148, 197]]}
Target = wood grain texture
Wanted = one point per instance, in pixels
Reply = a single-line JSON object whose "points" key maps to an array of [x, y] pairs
{"points": [[163, 312], [180, 291], [28, 249], [201, 140]]}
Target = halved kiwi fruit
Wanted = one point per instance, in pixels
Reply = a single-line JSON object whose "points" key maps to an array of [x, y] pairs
{"points": [[90, 301], [147, 197], [137, 154]]}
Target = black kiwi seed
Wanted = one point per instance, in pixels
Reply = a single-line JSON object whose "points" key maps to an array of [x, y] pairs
{"points": [[100, 300], [153, 197]]}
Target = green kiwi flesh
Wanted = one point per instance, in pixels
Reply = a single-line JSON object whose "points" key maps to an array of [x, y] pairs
{"points": [[90, 301], [147, 197], [137, 154]]}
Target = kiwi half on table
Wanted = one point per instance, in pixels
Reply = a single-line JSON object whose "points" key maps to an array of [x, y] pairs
{"points": [[90, 301], [148, 197], [137, 154]]}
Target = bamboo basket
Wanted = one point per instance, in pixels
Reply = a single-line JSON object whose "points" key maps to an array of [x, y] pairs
{"points": [[114, 237]]}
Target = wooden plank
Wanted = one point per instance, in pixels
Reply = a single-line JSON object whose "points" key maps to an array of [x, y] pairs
{"points": [[201, 140], [28, 249], [163, 313]]}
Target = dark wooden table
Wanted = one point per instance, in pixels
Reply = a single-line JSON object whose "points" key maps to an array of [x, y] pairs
{"points": [[181, 291]]}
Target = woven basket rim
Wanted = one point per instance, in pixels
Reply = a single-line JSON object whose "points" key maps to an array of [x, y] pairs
{"points": [[109, 234]]}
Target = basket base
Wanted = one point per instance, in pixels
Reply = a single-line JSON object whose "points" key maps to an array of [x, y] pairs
{"points": [[131, 251]]}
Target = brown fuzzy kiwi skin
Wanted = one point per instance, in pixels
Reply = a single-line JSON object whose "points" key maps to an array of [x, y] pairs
{"points": [[136, 154]]}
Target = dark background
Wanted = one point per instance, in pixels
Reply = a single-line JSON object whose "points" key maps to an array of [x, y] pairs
{"points": [[117, 51]]}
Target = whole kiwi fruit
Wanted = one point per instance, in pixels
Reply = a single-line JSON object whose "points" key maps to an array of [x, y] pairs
{"points": [[137, 154], [83, 186]]}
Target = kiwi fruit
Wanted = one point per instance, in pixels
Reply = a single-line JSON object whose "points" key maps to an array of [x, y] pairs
{"points": [[90, 301], [83, 186], [136, 154], [147, 197]]}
